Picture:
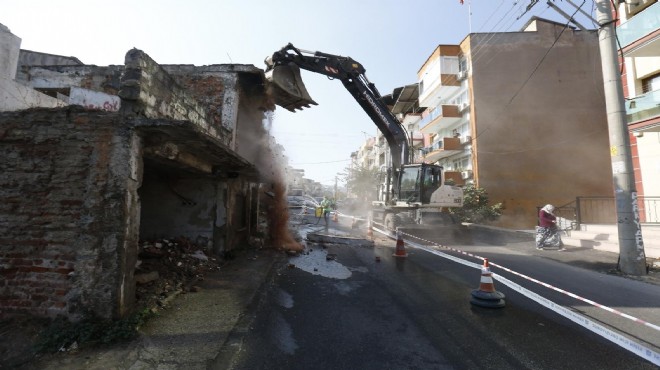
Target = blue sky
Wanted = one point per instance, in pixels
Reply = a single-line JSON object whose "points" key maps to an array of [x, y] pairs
{"points": [[391, 39]]}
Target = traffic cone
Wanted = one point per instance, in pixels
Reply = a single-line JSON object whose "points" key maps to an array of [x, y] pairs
{"points": [[486, 295], [400, 250]]}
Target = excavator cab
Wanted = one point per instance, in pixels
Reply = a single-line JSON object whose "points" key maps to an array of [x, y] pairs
{"points": [[287, 87], [417, 182], [423, 184]]}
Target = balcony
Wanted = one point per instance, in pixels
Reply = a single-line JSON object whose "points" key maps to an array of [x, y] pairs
{"points": [[455, 177], [444, 115], [447, 84], [643, 107], [639, 32], [444, 148]]}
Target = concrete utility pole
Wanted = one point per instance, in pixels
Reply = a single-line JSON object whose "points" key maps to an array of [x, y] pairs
{"points": [[335, 197], [632, 259]]}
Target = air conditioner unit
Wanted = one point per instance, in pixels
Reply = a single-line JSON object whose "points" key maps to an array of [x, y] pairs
{"points": [[466, 140], [462, 75], [466, 175], [463, 106]]}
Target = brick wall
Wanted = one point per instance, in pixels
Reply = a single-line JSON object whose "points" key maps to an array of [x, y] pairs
{"points": [[64, 212]]}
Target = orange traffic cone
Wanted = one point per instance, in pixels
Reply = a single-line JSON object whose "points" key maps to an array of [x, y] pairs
{"points": [[400, 250], [334, 217], [486, 295]]}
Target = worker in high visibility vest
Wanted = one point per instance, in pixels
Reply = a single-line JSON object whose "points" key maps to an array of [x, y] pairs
{"points": [[326, 205]]}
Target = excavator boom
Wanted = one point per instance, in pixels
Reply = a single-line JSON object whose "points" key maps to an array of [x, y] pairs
{"points": [[288, 90]]}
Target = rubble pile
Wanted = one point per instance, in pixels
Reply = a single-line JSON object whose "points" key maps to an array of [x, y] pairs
{"points": [[167, 267]]}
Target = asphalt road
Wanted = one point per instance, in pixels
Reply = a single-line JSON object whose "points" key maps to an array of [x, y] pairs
{"points": [[341, 307]]}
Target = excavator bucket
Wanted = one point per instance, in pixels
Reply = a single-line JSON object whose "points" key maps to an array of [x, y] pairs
{"points": [[287, 87]]}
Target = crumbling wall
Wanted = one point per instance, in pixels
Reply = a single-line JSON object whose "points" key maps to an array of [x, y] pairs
{"points": [[73, 214], [148, 90], [223, 89], [57, 78], [69, 225]]}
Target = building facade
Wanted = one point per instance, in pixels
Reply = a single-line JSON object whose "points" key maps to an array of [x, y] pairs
{"points": [[638, 33], [520, 114], [98, 159]]}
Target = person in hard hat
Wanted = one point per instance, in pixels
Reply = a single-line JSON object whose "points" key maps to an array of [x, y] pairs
{"points": [[547, 233]]}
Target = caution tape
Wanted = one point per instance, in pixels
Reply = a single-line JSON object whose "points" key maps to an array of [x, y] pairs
{"points": [[611, 335]]}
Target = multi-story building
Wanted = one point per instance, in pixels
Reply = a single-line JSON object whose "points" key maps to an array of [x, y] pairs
{"points": [[445, 122], [638, 34], [366, 156], [520, 114]]}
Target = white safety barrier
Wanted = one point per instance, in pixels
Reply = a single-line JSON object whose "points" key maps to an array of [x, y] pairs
{"points": [[611, 335]]}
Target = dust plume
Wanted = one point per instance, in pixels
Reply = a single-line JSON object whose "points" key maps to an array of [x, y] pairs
{"points": [[255, 144]]}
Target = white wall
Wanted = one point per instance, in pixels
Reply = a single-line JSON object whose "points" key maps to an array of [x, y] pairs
{"points": [[14, 96], [648, 147], [10, 46]]}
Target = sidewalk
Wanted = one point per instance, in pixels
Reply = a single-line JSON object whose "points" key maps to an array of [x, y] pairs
{"points": [[191, 332], [584, 257]]}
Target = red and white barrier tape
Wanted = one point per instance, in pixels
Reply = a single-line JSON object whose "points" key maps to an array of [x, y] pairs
{"points": [[613, 336]]}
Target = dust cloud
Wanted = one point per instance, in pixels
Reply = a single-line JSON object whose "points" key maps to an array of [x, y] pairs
{"points": [[255, 144]]}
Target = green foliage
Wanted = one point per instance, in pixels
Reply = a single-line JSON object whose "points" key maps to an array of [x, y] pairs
{"points": [[90, 332], [476, 207], [361, 181]]}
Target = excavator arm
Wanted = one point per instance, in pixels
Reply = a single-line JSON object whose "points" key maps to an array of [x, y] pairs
{"points": [[290, 92]]}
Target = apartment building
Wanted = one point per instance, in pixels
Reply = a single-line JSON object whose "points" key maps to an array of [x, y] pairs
{"points": [[520, 114], [638, 34]]}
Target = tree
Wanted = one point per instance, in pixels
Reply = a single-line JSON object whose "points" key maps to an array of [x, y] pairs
{"points": [[476, 206], [361, 181]]}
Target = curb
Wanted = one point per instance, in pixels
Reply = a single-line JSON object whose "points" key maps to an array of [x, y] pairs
{"points": [[231, 347]]}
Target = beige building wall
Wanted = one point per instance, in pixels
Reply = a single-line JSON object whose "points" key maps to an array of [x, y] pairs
{"points": [[539, 119]]}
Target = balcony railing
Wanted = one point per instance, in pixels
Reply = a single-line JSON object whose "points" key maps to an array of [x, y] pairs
{"points": [[435, 146], [435, 113], [602, 210], [643, 107], [639, 26]]}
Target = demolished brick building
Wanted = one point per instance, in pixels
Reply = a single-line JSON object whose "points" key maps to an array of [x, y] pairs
{"points": [[95, 159]]}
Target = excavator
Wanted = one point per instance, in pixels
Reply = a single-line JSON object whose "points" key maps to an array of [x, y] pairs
{"points": [[409, 193]]}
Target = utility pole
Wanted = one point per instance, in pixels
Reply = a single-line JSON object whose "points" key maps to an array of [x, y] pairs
{"points": [[632, 259], [335, 197]]}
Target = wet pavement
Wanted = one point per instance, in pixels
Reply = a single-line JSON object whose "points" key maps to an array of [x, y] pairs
{"points": [[203, 329]]}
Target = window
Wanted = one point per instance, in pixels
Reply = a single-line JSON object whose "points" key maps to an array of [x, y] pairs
{"points": [[651, 83], [462, 163], [409, 183]]}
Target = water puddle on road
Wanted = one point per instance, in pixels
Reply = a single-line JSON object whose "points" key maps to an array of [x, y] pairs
{"points": [[316, 262]]}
